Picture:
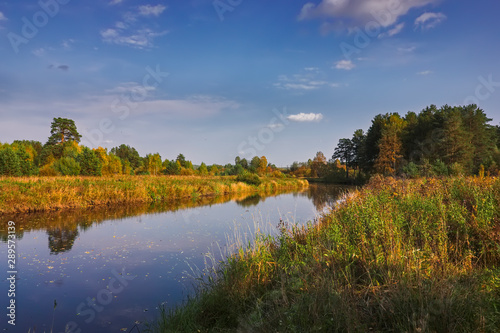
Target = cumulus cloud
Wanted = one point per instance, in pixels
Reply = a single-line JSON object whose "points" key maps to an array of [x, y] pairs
{"points": [[345, 65], [147, 10], [352, 13], [429, 20], [2, 17], [305, 117]]}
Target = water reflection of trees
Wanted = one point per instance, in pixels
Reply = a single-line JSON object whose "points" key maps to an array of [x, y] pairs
{"points": [[61, 240], [64, 227], [323, 196], [251, 200]]}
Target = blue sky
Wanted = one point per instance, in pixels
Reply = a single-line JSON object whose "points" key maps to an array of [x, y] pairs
{"points": [[217, 79]]}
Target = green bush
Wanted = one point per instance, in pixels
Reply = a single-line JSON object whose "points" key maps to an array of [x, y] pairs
{"points": [[411, 170], [9, 162], [249, 178], [67, 166]]}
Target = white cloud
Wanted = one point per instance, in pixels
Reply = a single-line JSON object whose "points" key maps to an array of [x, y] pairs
{"points": [[140, 39], [39, 52], [147, 10], [392, 32], [345, 65], [352, 13], [305, 117], [130, 87], [310, 80], [124, 32], [115, 2], [275, 126], [2, 17], [66, 44], [425, 72], [409, 49], [429, 20]]}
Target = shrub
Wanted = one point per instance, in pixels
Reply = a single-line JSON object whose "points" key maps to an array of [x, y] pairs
{"points": [[249, 178], [48, 170], [9, 162], [67, 166], [411, 170], [440, 168], [277, 174]]}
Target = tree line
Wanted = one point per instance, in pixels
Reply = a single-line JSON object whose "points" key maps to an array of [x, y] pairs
{"points": [[63, 155], [434, 142]]}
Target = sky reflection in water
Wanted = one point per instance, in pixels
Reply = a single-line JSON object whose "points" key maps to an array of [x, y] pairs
{"points": [[149, 255]]}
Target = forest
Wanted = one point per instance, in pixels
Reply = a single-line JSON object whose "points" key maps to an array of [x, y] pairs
{"points": [[62, 155], [434, 142], [442, 141]]}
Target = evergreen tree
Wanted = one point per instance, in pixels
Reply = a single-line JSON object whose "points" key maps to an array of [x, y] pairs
{"points": [[358, 146], [67, 166], [482, 139], [90, 163], [345, 153], [26, 165], [127, 153], [63, 130], [9, 162], [371, 147], [254, 164], [456, 145]]}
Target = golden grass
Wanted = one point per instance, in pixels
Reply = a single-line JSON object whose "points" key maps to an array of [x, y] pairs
{"points": [[29, 194]]}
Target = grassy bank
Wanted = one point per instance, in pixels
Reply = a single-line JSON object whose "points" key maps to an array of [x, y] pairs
{"points": [[397, 256], [53, 193]]}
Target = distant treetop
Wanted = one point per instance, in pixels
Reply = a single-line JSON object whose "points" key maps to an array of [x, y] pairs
{"points": [[63, 130]]}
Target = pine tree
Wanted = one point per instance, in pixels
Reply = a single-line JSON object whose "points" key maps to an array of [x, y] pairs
{"points": [[455, 147], [63, 130], [345, 153]]}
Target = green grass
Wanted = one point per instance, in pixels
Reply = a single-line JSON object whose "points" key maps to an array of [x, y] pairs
{"points": [[397, 256], [54, 193]]}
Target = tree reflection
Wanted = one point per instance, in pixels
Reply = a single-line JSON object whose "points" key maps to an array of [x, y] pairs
{"points": [[61, 239], [323, 196], [252, 200]]}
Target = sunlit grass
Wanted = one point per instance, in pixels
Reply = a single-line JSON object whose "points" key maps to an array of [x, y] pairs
{"points": [[50, 193], [398, 256]]}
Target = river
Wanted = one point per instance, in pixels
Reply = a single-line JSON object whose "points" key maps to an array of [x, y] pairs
{"points": [[106, 269]]}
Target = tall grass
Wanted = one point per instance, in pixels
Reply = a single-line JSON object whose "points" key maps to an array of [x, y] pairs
{"points": [[397, 256], [52, 193]]}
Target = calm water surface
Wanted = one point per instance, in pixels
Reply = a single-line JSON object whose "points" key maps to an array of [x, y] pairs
{"points": [[146, 255]]}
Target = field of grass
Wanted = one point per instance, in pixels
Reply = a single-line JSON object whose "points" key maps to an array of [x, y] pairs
{"points": [[31, 194], [397, 256]]}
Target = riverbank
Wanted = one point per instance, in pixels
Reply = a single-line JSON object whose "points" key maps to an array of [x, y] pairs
{"points": [[31, 194], [397, 256]]}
